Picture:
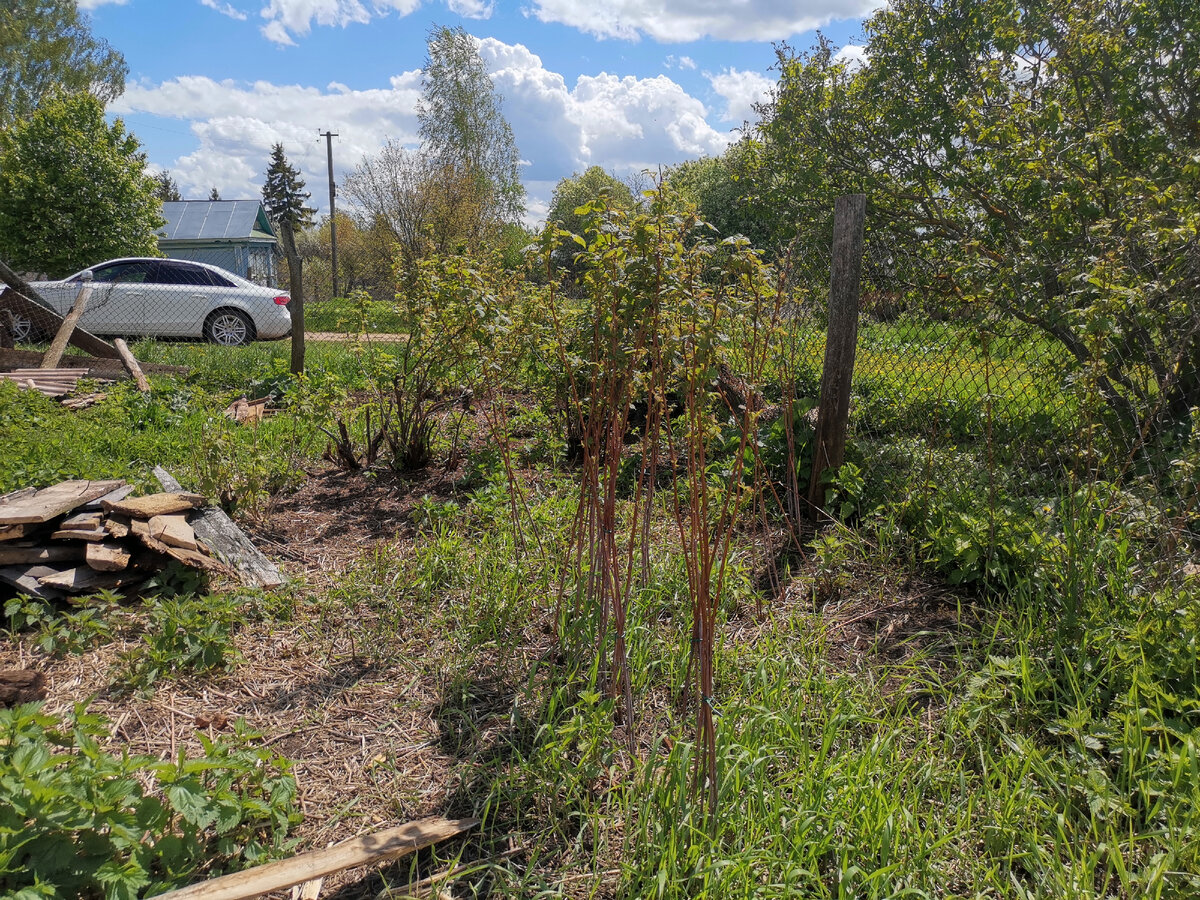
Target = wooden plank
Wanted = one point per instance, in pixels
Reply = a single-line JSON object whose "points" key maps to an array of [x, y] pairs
{"points": [[131, 365], [112, 369], [59, 344], [117, 526], [82, 580], [833, 413], [86, 521], [371, 848], [108, 557], [28, 556], [198, 560], [18, 494], [173, 530], [80, 534], [97, 505], [21, 297], [228, 542], [15, 532], [25, 580], [155, 504], [53, 501]]}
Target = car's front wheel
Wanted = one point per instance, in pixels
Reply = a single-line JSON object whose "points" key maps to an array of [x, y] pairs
{"points": [[229, 328], [22, 328]]}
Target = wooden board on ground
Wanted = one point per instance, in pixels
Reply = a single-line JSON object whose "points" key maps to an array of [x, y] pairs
{"points": [[53, 501], [14, 532], [25, 580], [108, 557], [370, 848], [228, 542], [81, 580], [80, 534], [28, 556], [108, 369], [173, 530], [97, 505], [155, 505], [84, 521]]}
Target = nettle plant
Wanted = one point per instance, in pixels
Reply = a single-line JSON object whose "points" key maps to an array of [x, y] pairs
{"points": [[77, 820]]}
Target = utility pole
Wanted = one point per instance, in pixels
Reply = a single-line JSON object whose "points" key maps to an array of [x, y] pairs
{"points": [[329, 136]]}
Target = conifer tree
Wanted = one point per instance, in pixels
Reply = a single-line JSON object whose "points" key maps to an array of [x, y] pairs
{"points": [[283, 192]]}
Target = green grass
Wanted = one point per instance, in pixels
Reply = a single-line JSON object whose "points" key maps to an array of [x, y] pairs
{"points": [[1045, 745]]}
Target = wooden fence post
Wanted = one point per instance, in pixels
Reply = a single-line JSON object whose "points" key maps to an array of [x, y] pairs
{"points": [[296, 290], [849, 217]]}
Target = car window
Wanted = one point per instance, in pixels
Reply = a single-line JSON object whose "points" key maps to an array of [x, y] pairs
{"points": [[122, 273], [180, 273]]}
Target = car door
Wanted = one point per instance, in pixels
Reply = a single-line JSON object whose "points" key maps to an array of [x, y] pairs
{"points": [[179, 299], [118, 301]]}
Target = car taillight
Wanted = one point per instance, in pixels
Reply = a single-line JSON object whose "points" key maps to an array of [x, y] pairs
{"points": [[283, 300]]}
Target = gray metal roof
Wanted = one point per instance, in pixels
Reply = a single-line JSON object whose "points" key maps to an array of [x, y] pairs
{"points": [[214, 220]]}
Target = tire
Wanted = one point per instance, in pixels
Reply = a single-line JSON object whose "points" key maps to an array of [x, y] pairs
{"points": [[229, 328]]}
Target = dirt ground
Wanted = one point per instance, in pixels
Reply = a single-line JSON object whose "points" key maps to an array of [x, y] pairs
{"points": [[377, 735]]}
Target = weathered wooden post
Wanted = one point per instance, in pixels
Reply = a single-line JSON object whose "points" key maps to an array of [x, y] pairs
{"points": [[296, 290], [833, 414], [67, 328]]}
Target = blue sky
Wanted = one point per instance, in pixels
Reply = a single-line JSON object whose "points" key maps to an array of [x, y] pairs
{"points": [[623, 84]]}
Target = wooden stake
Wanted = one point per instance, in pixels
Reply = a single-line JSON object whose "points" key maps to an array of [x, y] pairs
{"points": [[370, 848], [131, 365], [833, 414], [59, 344]]}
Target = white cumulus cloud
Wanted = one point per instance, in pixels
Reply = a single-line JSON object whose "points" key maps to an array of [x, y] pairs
{"points": [[621, 123], [690, 20], [225, 9], [288, 18], [740, 91]]}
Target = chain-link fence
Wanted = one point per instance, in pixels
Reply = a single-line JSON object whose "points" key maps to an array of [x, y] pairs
{"points": [[163, 298]]}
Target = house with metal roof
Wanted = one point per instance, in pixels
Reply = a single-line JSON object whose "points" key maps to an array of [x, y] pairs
{"points": [[233, 234]]}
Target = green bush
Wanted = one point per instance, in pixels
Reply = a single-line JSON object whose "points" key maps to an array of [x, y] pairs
{"points": [[77, 821]]}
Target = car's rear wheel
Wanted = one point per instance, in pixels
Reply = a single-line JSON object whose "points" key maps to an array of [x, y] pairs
{"points": [[229, 328]]}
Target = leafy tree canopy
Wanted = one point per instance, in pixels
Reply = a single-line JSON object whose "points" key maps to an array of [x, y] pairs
{"points": [[47, 46], [718, 186], [214, 194], [283, 192], [462, 127], [74, 189], [1040, 157]]}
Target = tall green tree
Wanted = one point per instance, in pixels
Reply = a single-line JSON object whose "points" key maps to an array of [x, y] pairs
{"points": [[47, 46], [283, 192], [74, 189], [214, 194], [572, 197], [166, 188], [719, 186], [463, 130], [1042, 157]]}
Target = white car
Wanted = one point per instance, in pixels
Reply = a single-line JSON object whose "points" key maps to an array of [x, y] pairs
{"points": [[170, 298]]}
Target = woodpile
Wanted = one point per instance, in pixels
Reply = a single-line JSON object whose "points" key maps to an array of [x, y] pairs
{"points": [[79, 537]]}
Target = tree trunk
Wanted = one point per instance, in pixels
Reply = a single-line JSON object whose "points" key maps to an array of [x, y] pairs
{"points": [[296, 289]]}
